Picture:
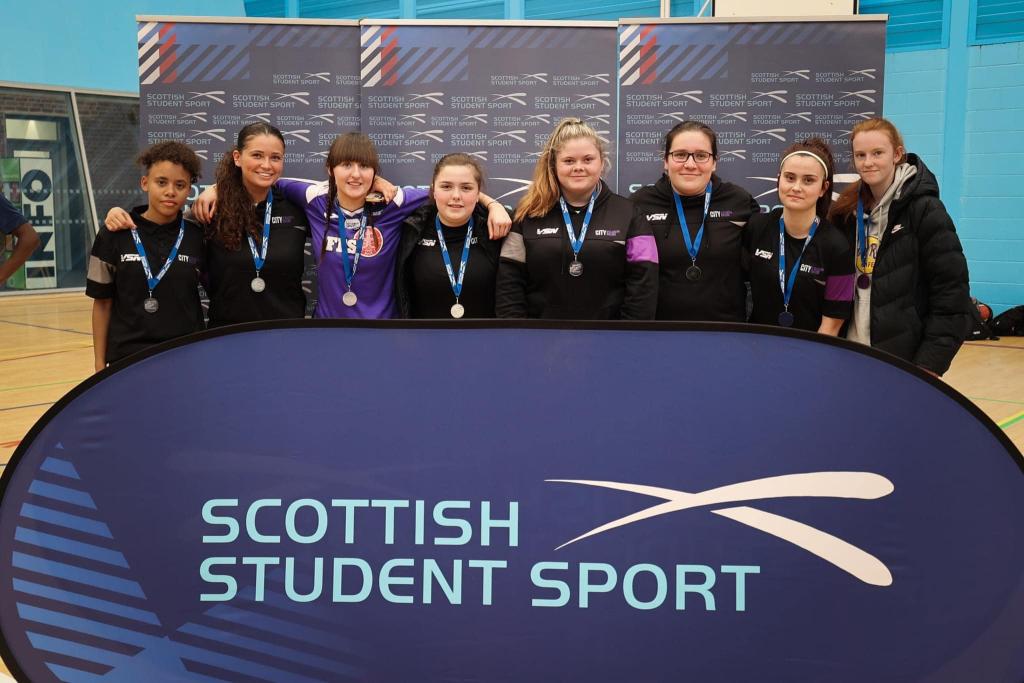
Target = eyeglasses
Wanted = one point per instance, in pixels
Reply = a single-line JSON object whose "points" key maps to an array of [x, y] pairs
{"points": [[698, 157]]}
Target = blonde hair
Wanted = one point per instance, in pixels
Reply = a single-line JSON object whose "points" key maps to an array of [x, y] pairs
{"points": [[544, 191]]}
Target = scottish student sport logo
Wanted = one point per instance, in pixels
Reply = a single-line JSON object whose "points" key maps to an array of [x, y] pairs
{"points": [[589, 503]]}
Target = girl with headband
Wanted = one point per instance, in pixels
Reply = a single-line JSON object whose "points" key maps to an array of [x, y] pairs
{"points": [[576, 251], [912, 297], [800, 266], [698, 221]]}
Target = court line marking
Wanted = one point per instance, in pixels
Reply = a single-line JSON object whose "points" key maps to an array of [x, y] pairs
{"points": [[996, 400], [28, 405], [46, 327], [1012, 420], [37, 386], [46, 353], [997, 346]]}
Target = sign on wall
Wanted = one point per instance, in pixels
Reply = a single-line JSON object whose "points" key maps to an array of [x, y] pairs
{"points": [[494, 92], [761, 86], [575, 504], [38, 207], [200, 83]]}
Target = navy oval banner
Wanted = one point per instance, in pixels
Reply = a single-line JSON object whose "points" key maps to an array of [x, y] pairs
{"points": [[383, 502]]}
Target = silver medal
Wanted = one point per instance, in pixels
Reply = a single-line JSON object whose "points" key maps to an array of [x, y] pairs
{"points": [[458, 310], [151, 305], [576, 268], [349, 298], [258, 284]]}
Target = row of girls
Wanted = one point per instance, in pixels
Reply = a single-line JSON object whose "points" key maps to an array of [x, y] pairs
{"points": [[883, 265]]}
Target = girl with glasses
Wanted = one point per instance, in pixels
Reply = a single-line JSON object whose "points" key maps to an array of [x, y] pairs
{"points": [[697, 220]]}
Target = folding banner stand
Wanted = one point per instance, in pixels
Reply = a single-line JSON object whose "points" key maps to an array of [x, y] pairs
{"points": [[366, 501]]}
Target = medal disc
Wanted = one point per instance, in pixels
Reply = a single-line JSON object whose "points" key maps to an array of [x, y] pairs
{"points": [[693, 273], [863, 281], [151, 305], [349, 298], [458, 310], [576, 269], [786, 319], [258, 284]]}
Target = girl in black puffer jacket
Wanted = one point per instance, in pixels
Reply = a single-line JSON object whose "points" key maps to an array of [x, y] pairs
{"points": [[912, 296]]}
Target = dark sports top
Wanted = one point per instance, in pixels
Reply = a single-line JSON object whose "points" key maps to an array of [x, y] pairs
{"points": [[230, 272], [720, 293], [115, 272], [620, 266], [824, 285]]}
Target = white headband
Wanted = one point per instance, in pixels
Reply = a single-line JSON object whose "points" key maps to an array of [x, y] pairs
{"points": [[806, 153]]}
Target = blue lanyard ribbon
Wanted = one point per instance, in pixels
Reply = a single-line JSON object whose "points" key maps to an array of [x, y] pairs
{"points": [[787, 285], [693, 246], [456, 283], [577, 244], [260, 257], [352, 265], [862, 237], [151, 281]]}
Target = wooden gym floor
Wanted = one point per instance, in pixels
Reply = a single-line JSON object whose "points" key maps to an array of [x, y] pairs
{"points": [[46, 349]]}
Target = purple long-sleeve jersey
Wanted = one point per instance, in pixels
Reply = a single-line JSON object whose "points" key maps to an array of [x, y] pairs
{"points": [[374, 280]]}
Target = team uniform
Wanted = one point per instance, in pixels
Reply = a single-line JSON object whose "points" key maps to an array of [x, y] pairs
{"points": [[823, 284], [422, 286], [917, 302], [720, 293], [619, 260], [231, 272], [374, 280], [116, 272]]}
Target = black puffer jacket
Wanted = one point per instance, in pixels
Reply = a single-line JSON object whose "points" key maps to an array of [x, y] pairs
{"points": [[919, 293]]}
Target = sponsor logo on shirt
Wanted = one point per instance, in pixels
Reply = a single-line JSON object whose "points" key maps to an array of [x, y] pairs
{"points": [[373, 242], [896, 228], [607, 233], [813, 270], [723, 213], [547, 231], [657, 216], [427, 242], [761, 253], [131, 258]]}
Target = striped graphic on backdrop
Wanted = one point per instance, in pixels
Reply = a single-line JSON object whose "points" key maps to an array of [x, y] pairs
{"points": [[102, 627]]}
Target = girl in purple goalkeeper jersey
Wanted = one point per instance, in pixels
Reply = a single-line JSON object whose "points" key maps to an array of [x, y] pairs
{"points": [[357, 271]]}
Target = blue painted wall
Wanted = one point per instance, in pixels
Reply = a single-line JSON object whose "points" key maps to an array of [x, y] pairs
{"points": [[85, 43], [993, 171], [915, 96]]}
